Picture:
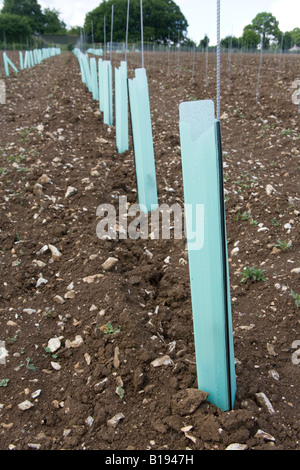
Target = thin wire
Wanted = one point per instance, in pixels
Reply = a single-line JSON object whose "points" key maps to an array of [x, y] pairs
{"points": [[260, 63], [127, 28], [218, 61], [111, 31], [142, 33], [104, 39]]}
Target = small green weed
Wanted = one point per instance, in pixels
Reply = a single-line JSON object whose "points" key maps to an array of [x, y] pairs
{"points": [[296, 297], [283, 246], [49, 353], [253, 274], [275, 222], [28, 364], [108, 329], [4, 382]]}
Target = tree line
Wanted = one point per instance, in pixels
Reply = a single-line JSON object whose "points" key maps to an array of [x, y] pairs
{"points": [[163, 23], [263, 30], [21, 19]]}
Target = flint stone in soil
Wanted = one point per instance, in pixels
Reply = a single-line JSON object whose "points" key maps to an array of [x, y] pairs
{"points": [[59, 299], [162, 361], [25, 405], [78, 341], [187, 401], [44, 179], [70, 191], [295, 271], [91, 279], [237, 447], [113, 422], [263, 400], [109, 263], [54, 344], [37, 189], [269, 189], [265, 436], [56, 254], [55, 365], [70, 294]]}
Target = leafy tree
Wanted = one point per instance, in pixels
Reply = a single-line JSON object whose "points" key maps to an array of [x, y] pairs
{"points": [[162, 21], [250, 38], [74, 30], [285, 40], [26, 8], [231, 42], [16, 28], [267, 25], [204, 42], [295, 35], [189, 42], [52, 23]]}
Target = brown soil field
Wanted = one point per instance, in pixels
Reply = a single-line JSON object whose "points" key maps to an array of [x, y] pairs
{"points": [[53, 137]]}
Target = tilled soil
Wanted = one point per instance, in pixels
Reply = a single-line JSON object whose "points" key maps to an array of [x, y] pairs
{"points": [[112, 324]]}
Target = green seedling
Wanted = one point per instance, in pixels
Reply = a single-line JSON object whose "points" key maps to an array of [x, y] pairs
{"points": [[245, 216], [120, 391], [28, 364], [14, 339], [275, 222], [47, 314], [48, 353], [296, 297], [253, 274], [284, 245], [16, 158], [23, 169], [4, 382], [25, 132], [108, 329]]}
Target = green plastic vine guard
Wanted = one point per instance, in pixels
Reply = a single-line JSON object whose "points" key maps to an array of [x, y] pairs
{"points": [[101, 88], [21, 60], [143, 140], [107, 91], [27, 60], [7, 62], [121, 108], [202, 168], [98, 52], [94, 78], [87, 72]]}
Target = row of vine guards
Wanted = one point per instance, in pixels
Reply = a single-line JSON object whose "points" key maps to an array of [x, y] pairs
{"points": [[133, 95], [130, 95], [29, 59]]}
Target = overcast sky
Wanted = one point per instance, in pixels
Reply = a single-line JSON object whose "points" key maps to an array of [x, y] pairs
{"points": [[200, 14]]}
